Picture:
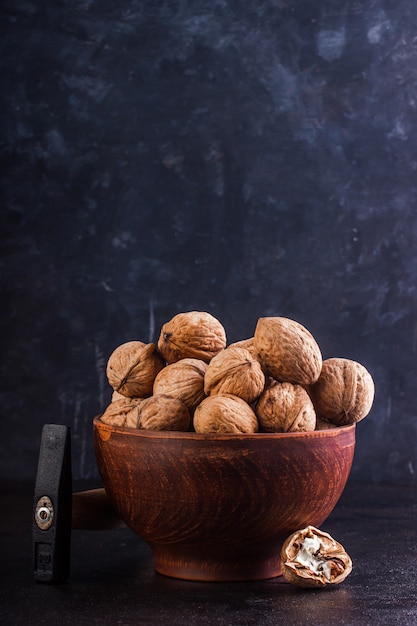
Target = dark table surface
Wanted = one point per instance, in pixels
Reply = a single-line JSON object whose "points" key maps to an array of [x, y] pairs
{"points": [[112, 579]]}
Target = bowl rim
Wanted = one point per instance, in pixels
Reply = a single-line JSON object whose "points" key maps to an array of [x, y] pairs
{"points": [[193, 436]]}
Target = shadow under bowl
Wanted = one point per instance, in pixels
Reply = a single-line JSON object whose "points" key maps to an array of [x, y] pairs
{"points": [[218, 507]]}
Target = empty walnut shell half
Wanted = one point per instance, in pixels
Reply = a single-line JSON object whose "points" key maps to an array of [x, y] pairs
{"points": [[225, 414], [162, 412], [284, 407], [287, 350], [132, 368], [312, 558], [236, 372], [344, 392], [194, 334], [183, 379]]}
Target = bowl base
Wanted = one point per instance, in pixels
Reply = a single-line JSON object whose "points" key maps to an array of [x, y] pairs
{"points": [[216, 565]]}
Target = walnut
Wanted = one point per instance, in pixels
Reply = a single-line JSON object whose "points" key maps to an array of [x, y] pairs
{"points": [[132, 368], [160, 412], [194, 334], [312, 558], [122, 412], [117, 396], [183, 379], [235, 371], [287, 350], [322, 424], [225, 414], [248, 344], [284, 407], [344, 392]]}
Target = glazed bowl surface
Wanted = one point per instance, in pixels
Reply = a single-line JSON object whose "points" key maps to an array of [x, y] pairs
{"points": [[218, 507]]}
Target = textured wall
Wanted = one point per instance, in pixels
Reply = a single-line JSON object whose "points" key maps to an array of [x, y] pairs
{"points": [[247, 159]]}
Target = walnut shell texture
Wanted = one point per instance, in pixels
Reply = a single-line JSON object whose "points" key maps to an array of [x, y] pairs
{"points": [[122, 412], [117, 396], [284, 407], [225, 414], [132, 368], [193, 334], [183, 379], [287, 350], [248, 344], [235, 371], [312, 558], [322, 424], [160, 412], [344, 392]]}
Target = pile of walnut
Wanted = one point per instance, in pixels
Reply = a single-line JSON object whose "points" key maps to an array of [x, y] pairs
{"points": [[276, 381]]}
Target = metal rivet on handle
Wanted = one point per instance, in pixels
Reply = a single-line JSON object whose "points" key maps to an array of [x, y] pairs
{"points": [[44, 513]]}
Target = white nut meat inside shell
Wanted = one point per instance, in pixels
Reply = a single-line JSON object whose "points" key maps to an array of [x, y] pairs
{"points": [[312, 558]]}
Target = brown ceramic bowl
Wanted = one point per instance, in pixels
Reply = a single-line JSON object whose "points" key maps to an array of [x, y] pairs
{"points": [[218, 507]]}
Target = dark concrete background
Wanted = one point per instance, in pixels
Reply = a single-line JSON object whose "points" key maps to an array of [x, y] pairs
{"points": [[247, 159]]}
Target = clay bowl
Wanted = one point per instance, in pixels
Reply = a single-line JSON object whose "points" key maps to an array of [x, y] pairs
{"points": [[218, 507]]}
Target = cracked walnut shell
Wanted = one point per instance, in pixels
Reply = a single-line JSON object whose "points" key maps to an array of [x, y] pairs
{"points": [[225, 414], [344, 392], [132, 368], [183, 379], [194, 334], [287, 351], [312, 558], [234, 371], [284, 407]]}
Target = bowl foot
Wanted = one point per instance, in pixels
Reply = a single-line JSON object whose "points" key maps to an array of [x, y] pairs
{"points": [[216, 564]]}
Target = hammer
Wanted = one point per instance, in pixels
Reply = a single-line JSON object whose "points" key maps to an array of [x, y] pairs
{"points": [[57, 510]]}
